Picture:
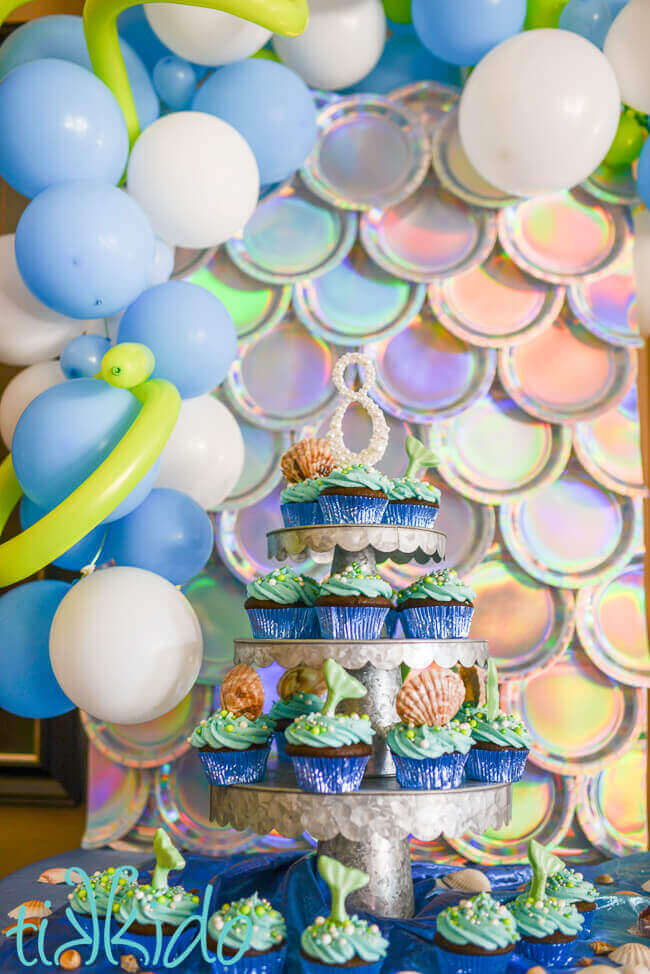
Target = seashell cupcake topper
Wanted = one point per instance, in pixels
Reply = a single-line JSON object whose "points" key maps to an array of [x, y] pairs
{"points": [[340, 686], [307, 459], [431, 697], [242, 693], [301, 679], [343, 457]]}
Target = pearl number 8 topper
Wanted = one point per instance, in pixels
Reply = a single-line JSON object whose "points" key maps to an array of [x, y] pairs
{"points": [[343, 457]]}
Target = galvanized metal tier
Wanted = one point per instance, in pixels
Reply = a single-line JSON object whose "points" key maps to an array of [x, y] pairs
{"points": [[368, 543], [369, 828], [383, 654]]}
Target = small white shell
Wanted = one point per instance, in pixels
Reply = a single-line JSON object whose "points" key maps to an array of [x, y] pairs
{"points": [[631, 954], [467, 880], [33, 908], [56, 875], [646, 886]]}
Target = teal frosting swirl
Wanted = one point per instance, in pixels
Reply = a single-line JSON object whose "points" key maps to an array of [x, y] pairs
{"points": [[148, 905], [336, 943], [429, 742], [506, 730], [571, 886], [337, 730], [480, 922], [285, 587], [357, 476], [356, 580], [268, 927], [100, 884], [305, 490], [223, 729], [541, 918], [442, 586], [295, 706], [408, 488]]}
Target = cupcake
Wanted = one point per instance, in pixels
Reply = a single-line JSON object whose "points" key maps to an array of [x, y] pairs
{"points": [[340, 943], [501, 741], [548, 926], [106, 889], [477, 936], [280, 605], [353, 604], [412, 502], [228, 932], [354, 495], [438, 606], [428, 747], [329, 751], [234, 743], [304, 465], [299, 503], [299, 689], [570, 886]]}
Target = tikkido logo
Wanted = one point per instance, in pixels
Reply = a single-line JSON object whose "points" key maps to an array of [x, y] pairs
{"points": [[102, 934]]}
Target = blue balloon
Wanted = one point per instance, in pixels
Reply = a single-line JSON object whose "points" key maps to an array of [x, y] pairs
{"points": [[643, 174], [62, 36], [190, 332], [133, 26], [403, 61], [82, 356], [589, 18], [463, 31], [270, 106], [59, 122], [163, 263], [75, 558], [169, 534], [65, 433], [28, 686], [85, 249], [174, 80]]}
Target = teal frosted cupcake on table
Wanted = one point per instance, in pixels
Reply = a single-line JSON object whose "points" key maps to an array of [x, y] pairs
{"points": [[234, 743], [280, 605], [339, 942], [354, 495], [304, 464], [103, 890], [300, 690], [476, 936], [570, 886], [412, 502], [329, 751], [437, 606], [248, 936], [353, 604], [501, 741]]}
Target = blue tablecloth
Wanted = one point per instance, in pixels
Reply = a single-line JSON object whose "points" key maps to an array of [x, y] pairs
{"points": [[290, 881]]}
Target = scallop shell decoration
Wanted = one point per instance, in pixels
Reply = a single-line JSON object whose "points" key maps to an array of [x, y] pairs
{"points": [[33, 909], [631, 954], [242, 693], [475, 680], [466, 880], [57, 874], [307, 458], [431, 697], [301, 679]]}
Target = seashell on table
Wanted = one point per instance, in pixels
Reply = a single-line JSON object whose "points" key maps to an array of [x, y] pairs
{"points": [[466, 880]]}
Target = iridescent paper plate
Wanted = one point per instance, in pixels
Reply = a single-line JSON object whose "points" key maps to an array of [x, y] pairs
{"points": [[255, 307], [438, 851], [613, 185], [431, 234], [542, 808], [540, 618], [579, 720], [496, 303], [566, 374], [429, 100], [115, 800], [187, 262], [564, 236], [183, 797], [425, 374], [609, 447], [612, 804], [606, 305], [473, 458], [292, 236], [572, 532], [370, 152], [612, 627], [154, 742], [143, 832], [282, 379], [357, 302], [455, 171], [263, 451]]}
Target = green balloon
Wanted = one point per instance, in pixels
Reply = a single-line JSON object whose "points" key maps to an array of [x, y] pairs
{"points": [[399, 11], [543, 13], [628, 141]]}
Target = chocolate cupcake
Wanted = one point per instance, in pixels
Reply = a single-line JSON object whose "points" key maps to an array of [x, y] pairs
{"points": [[477, 936], [572, 887], [280, 605], [412, 502], [229, 929], [354, 495], [304, 465], [437, 606], [500, 741], [353, 604]]}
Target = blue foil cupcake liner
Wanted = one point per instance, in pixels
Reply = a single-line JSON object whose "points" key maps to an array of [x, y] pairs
{"points": [[329, 775], [235, 767], [391, 623], [507, 765], [587, 924], [300, 513], [450, 962], [411, 515], [437, 621], [280, 742], [271, 963], [352, 509], [284, 623], [313, 966], [548, 955], [443, 772], [351, 621]]}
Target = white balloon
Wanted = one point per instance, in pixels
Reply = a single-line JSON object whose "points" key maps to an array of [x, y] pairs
{"points": [[626, 49], [22, 389], [125, 645], [195, 177], [204, 36], [204, 456], [539, 112], [641, 252], [341, 44], [163, 263], [29, 332]]}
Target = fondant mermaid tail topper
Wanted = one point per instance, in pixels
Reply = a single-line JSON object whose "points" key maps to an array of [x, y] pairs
{"points": [[342, 880], [340, 686], [419, 456], [544, 864], [167, 858]]}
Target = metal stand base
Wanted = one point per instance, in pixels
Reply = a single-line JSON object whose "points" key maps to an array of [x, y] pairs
{"points": [[388, 863], [379, 703]]}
